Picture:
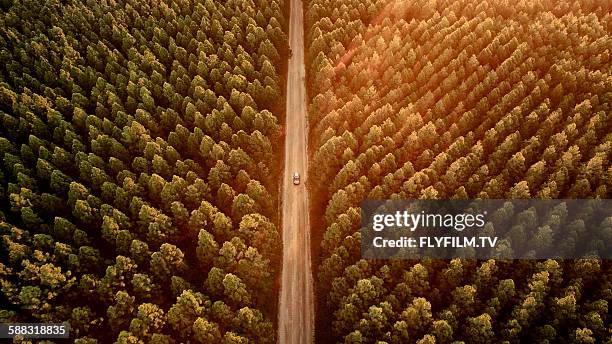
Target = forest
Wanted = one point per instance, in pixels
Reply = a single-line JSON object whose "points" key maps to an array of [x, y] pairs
{"points": [[141, 162], [139, 170], [456, 99]]}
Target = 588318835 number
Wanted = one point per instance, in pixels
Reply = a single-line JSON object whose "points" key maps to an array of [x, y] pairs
{"points": [[35, 330]]}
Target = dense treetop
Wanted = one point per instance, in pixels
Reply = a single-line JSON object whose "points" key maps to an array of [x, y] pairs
{"points": [[138, 176], [458, 99]]}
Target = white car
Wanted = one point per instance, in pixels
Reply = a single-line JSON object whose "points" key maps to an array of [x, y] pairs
{"points": [[296, 178]]}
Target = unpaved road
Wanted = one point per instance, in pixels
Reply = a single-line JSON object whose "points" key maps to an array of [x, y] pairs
{"points": [[296, 306]]}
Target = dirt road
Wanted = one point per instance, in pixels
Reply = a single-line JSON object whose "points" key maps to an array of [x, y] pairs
{"points": [[296, 306]]}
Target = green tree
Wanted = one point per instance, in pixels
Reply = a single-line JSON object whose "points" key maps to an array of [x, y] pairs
{"points": [[183, 314], [207, 248], [205, 331]]}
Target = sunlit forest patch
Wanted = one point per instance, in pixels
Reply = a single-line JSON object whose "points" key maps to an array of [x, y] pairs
{"points": [[457, 99]]}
